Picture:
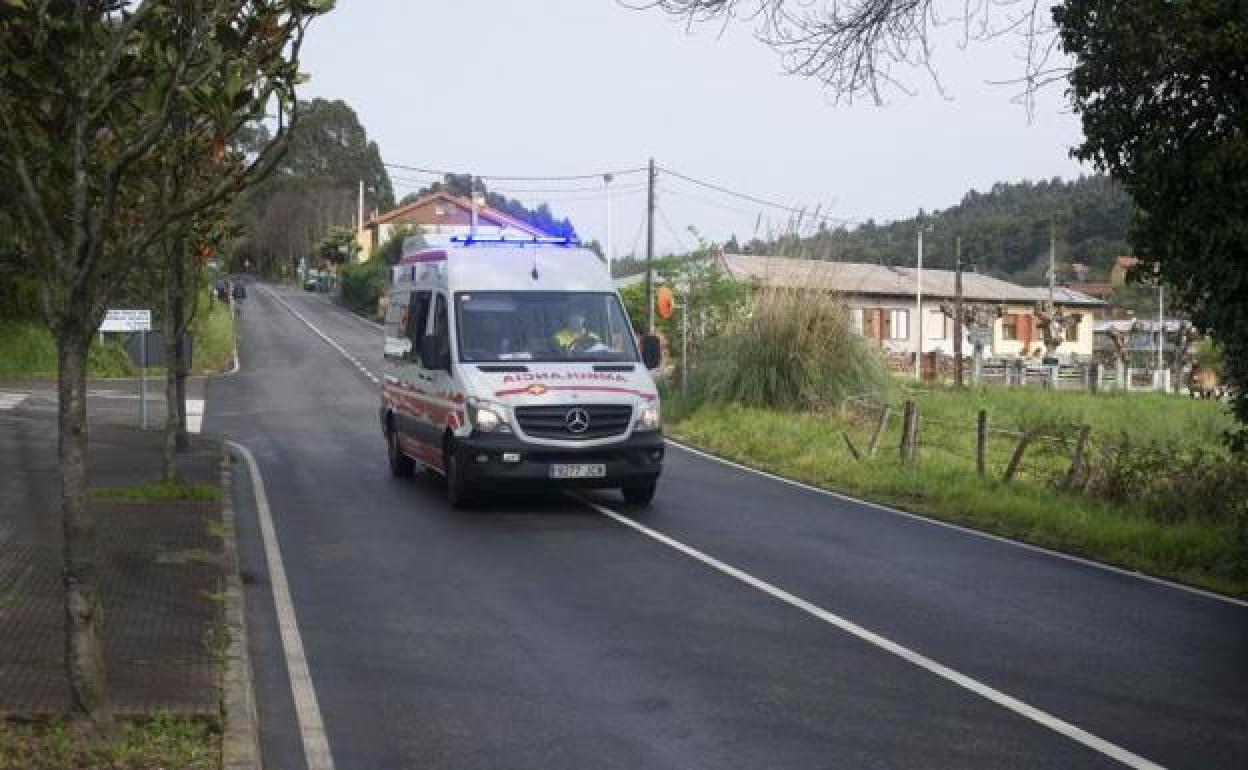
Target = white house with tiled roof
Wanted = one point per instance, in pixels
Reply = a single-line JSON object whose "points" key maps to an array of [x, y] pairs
{"points": [[881, 300]]}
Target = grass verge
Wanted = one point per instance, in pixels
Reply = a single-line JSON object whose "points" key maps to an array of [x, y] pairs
{"points": [[158, 491], [28, 351], [162, 742], [213, 337], [942, 484]]}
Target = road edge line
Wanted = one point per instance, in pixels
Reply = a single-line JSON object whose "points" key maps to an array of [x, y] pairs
{"points": [[970, 684], [240, 738], [918, 517], [328, 340], [307, 710]]}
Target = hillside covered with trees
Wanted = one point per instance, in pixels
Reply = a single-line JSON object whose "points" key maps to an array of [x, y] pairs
{"points": [[1004, 231]]}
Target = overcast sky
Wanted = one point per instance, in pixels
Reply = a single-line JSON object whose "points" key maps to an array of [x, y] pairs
{"points": [[554, 87]]}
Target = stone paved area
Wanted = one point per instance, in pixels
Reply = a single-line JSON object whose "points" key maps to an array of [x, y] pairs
{"points": [[161, 573]]}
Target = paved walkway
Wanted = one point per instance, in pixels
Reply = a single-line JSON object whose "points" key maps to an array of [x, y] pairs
{"points": [[161, 569]]}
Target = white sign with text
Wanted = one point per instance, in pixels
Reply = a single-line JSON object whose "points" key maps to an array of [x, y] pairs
{"points": [[127, 321]]}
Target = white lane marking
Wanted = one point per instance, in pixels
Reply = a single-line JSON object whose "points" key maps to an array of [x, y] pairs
{"points": [[307, 710], [194, 414], [11, 400], [364, 370], [960, 528], [992, 694]]}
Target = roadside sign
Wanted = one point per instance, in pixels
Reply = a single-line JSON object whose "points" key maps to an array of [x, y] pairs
{"points": [[981, 337], [127, 321]]}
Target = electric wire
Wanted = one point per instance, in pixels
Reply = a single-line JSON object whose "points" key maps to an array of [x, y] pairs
{"points": [[671, 230], [760, 201], [518, 178]]}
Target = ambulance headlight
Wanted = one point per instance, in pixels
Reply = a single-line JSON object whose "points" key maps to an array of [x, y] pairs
{"points": [[487, 418], [648, 418]]}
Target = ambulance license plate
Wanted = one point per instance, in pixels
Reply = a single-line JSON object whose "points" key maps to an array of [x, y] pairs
{"points": [[578, 471]]}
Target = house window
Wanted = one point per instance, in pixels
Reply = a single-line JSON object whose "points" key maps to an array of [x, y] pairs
{"points": [[1072, 331], [439, 210], [937, 325], [899, 321], [1009, 326]]}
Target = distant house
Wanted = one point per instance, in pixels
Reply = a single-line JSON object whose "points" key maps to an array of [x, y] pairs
{"points": [[441, 214], [882, 303], [1140, 335]]}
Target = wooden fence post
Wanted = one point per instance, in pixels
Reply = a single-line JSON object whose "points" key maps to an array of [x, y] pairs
{"points": [[878, 432], [981, 441], [853, 450], [1017, 458], [907, 431], [1076, 459]]}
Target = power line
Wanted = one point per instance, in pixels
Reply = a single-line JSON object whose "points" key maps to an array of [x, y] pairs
{"points": [[755, 198], [707, 201], [503, 177], [680, 242]]}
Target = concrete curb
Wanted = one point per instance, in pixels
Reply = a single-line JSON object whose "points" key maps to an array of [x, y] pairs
{"points": [[240, 741]]}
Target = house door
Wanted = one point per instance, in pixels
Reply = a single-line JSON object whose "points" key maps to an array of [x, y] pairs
{"points": [[1026, 331]]}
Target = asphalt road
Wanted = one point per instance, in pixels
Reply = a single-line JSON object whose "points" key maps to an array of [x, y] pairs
{"points": [[538, 632]]}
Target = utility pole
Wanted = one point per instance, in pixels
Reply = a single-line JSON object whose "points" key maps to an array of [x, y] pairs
{"points": [[359, 222], [1052, 264], [957, 311], [1161, 319], [650, 249], [607, 251], [918, 311]]}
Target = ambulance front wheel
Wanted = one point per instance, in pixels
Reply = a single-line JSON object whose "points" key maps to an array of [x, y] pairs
{"points": [[641, 493], [401, 465]]}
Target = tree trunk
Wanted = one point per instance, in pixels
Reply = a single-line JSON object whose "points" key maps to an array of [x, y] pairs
{"points": [[169, 442], [84, 653], [178, 364]]}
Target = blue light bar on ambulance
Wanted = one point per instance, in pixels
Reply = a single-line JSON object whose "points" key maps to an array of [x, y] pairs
{"points": [[470, 240]]}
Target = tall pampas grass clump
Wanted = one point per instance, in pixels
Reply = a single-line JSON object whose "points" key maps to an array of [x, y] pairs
{"points": [[790, 349]]}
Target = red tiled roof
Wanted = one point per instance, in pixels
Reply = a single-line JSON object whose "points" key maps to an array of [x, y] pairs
{"points": [[486, 214]]}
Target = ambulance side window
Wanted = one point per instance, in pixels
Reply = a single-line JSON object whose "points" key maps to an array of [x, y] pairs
{"points": [[417, 313], [441, 329]]}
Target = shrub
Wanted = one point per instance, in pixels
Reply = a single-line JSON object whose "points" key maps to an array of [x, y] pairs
{"points": [[789, 349], [1171, 483], [362, 285]]}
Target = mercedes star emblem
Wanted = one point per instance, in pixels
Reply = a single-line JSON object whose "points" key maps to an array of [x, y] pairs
{"points": [[576, 420]]}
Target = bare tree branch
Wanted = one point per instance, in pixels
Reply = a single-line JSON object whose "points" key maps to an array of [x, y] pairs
{"points": [[857, 48]]}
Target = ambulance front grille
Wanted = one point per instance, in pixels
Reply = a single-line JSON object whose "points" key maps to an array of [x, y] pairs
{"points": [[605, 420]]}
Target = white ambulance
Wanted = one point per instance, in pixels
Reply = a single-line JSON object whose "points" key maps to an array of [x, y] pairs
{"points": [[513, 362]]}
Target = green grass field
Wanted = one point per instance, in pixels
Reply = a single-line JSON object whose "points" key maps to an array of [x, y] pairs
{"points": [[1210, 552], [28, 351]]}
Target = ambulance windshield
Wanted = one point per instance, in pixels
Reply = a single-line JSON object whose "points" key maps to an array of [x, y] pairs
{"points": [[499, 326]]}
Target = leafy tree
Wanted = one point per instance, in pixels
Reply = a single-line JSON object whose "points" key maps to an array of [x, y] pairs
{"points": [[90, 90], [338, 246], [315, 187], [1162, 89]]}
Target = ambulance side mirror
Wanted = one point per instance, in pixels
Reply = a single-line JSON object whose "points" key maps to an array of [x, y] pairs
{"points": [[651, 351], [433, 354]]}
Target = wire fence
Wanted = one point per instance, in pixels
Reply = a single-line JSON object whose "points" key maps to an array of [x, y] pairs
{"points": [[1050, 455]]}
